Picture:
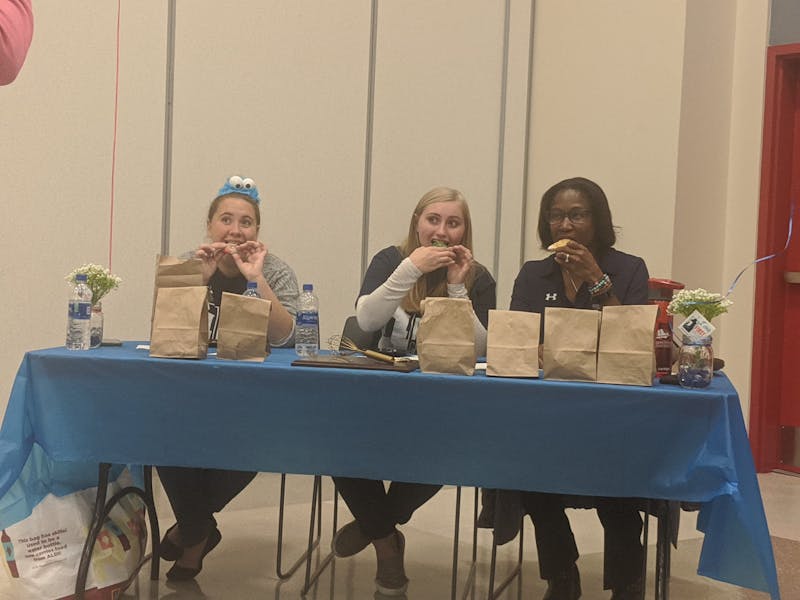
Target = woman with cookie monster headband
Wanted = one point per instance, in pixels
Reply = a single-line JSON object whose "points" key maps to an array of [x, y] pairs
{"points": [[233, 257]]}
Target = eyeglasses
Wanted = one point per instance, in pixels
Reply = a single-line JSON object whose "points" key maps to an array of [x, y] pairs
{"points": [[577, 216]]}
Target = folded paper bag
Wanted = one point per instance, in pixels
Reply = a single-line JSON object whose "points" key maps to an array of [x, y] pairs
{"points": [[626, 351], [243, 328], [176, 272], [446, 336], [512, 344], [180, 323], [570, 344]]}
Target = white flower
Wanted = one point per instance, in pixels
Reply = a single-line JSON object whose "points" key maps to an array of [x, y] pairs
{"points": [[708, 304], [98, 278]]}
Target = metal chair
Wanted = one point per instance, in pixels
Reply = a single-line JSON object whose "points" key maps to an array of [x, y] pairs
{"points": [[362, 339], [493, 593], [667, 514], [313, 542]]}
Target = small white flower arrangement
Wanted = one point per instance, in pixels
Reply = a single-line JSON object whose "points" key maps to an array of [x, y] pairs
{"points": [[99, 279], [708, 304]]}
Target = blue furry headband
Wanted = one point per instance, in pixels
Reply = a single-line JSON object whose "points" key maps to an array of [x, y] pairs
{"points": [[240, 185]]}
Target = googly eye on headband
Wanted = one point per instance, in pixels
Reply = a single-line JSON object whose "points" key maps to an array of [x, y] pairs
{"points": [[240, 185]]}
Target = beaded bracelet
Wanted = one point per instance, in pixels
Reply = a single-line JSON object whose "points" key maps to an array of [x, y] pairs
{"points": [[601, 286]]}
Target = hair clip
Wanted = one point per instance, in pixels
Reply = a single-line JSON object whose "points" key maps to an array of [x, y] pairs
{"points": [[240, 185]]}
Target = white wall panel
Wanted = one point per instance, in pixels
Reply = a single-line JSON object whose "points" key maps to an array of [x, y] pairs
{"points": [[280, 96], [56, 129], [436, 119], [606, 105]]}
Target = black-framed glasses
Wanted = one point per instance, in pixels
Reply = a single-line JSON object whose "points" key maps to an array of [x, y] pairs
{"points": [[576, 216]]}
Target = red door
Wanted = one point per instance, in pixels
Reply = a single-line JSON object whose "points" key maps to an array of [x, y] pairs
{"points": [[775, 393]]}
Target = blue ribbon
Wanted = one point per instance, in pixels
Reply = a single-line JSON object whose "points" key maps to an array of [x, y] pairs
{"points": [[756, 261], [763, 258]]}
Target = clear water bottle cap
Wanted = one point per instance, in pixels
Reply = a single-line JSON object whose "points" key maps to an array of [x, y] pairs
{"points": [[251, 285], [308, 287], [81, 277]]}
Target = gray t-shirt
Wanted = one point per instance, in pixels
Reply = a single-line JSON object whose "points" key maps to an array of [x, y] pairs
{"points": [[279, 276]]}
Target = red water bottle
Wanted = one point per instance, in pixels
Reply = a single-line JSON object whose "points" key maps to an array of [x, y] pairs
{"points": [[660, 293]]}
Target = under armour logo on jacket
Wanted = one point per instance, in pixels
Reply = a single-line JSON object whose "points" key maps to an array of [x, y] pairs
{"points": [[551, 297]]}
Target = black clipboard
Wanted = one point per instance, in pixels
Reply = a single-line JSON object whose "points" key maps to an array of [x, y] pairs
{"points": [[339, 361]]}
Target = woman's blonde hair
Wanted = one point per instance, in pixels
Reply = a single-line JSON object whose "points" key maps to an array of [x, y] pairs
{"points": [[435, 283]]}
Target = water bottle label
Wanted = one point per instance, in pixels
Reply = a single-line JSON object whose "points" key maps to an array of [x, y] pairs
{"points": [[307, 318], [80, 310]]}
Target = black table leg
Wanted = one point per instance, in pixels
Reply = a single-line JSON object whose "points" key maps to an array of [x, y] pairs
{"points": [[94, 530]]}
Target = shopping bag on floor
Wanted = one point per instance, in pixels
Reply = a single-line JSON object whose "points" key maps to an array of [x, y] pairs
{"points": [[43, 550]]}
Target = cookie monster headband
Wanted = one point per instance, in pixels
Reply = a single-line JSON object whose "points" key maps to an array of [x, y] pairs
{"points": [[240, 185]]}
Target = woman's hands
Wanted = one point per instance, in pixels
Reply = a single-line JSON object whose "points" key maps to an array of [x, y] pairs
{"points": [[578, 261], [457, 272], [246, 258], [210, 254], [249, 258], [457, 259]]}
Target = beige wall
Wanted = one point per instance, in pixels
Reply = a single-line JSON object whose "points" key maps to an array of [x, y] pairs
{"points": [[56, 127], [660, 102]]}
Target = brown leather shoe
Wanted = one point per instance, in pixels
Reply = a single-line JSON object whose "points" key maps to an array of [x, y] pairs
{"points": [[390, 579], [564, 586], [349, 540]]}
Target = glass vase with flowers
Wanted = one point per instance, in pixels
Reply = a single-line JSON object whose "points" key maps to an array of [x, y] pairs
{"points": [[100, 281], [696, 357]]}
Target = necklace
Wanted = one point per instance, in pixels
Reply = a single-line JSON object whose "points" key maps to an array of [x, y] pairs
{"points": [[574, 287]]}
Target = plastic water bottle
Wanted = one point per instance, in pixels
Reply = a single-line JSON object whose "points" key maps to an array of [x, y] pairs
{"points": [[306, 331], [252, 290], [79, 327]]}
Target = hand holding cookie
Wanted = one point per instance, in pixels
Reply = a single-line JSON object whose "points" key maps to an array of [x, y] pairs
{"points": [[458, 271], [210, 255], [249, 258]]}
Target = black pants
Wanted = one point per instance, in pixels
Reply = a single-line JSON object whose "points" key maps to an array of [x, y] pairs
{"points": [[555, 543], [196, 494], [377, 510]]}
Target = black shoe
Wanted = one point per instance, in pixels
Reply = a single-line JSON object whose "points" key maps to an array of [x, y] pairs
{"points": [[564, 586], [632, 591], [169, 550], [179, 573]]}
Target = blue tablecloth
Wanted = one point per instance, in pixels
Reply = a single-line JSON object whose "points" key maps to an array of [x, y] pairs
{"points": [[118, 405]]}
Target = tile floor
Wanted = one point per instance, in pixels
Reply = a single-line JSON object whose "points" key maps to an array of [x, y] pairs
{"points": [[243, 565]]}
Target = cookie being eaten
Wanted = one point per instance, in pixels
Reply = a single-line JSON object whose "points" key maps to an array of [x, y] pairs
{"points": [[555, 246]]}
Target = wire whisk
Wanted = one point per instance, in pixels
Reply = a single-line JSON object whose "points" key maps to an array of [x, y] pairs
{"points": [[338, 342]]}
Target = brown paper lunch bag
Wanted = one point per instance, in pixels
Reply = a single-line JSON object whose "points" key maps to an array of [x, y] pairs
{"points": [[446, 336], [512, 344], [626, 351], [570, 344], [180, 323], [243, 328], [176, 272]]}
